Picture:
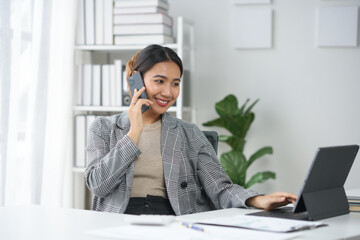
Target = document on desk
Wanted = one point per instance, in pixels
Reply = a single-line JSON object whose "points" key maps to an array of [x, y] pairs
{"points": [[177, 231], [262, 223]]}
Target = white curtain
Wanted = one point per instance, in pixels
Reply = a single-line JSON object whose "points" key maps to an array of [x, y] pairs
{"points": [[36, 71]]}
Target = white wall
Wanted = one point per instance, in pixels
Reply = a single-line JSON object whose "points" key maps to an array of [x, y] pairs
{"points": [[309, 96]]}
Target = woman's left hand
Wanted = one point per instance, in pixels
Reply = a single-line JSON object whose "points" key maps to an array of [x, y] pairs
{"points": [[271, 201]]}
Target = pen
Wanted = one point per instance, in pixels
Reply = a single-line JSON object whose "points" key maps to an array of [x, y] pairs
{"points": [[191, 226]]}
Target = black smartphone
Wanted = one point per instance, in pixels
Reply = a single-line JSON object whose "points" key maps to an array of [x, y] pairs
{"points": [[136, 82]]}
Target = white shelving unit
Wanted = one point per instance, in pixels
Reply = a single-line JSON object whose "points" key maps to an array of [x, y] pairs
{"points": [[184, 46]]}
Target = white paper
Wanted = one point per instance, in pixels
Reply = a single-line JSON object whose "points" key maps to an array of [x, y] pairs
{"points": [[263, 223], [176, 231]]}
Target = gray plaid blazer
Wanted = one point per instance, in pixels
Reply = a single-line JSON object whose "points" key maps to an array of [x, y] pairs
{"points": [[194, 179]]}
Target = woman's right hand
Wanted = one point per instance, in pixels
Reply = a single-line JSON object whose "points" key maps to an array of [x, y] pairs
{"points": [[135, 115]]}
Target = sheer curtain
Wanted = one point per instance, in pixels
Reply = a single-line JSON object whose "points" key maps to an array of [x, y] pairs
{"points": [[36, 70]]}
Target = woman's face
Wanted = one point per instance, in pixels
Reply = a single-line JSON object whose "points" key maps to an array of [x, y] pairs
{"points": [[162, 83]]}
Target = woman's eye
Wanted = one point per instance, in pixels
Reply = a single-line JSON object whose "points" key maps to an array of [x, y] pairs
{"points": [[176, 84], [159, 81]]}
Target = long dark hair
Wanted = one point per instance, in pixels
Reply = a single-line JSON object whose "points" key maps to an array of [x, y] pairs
{"points": [[151, 55]]}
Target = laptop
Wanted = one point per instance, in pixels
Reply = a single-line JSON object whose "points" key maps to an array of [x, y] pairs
{"points": [[322, 194]]}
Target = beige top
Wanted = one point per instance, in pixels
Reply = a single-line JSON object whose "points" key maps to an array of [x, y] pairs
{"points": [[148, 173]]}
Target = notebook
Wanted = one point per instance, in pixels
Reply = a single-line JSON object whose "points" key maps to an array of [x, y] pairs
{"points": [[322, 195]]}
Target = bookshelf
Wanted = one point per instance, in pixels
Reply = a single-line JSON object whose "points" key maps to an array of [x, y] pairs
{"points": [[106, 54]]}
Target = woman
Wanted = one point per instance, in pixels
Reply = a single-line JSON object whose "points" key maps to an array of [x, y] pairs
{"points": [[153, 163]]}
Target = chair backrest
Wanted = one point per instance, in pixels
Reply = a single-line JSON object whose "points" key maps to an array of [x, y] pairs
{"points": [[213, 138]]}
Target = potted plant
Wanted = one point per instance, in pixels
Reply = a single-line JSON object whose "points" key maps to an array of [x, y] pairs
{"points": [[238, 121]]}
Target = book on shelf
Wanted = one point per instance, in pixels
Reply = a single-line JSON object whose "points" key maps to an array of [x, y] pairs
{"points": [[108, 22], [87, 87], [89, 120], [89, 22], [105, 87], [112, 86], [118, 82], [80, 85], [126, 99], [141, 3], [96, 85], [146, 18], [132, 29], [142, 39], [80, 140], [99, 22], [134, 10], [82, 125], [80, 30]]}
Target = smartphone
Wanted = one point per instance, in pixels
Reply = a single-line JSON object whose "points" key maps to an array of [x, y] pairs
{"points": [[136, 82]]}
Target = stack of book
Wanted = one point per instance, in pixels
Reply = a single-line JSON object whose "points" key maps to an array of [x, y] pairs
{"points": [[354, 203], [142, 22]]}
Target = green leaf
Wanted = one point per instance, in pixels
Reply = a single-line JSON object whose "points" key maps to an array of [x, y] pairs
{"points": [[234, 142], [241, 110], [235, 120], [245, 123], [259, 153], [219, 122], [227, 106], [227, 123], [252, 105], [234, 164], [260, 177]]}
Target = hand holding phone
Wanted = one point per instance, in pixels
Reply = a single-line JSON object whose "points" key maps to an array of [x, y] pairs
{"points": [[137, 82]]}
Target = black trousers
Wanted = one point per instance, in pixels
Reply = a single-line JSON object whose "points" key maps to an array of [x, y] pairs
{"points": [[149, 205]]}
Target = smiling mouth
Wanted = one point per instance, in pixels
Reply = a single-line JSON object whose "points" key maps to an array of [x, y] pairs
{"points": [[161, 103]]}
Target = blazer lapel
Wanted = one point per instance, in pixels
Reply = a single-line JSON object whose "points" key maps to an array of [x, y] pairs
{"points": [[171, 144], [123, 123]]}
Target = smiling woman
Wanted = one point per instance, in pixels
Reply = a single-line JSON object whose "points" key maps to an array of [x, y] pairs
{"points": [[153, 163]]}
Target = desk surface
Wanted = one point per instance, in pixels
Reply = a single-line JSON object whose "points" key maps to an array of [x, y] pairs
{"points": [[39, 222]]}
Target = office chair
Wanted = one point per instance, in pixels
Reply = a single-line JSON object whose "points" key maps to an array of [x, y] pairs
{"points": [[213, 138]]}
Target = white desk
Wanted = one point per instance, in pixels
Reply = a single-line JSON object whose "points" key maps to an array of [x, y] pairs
{"points": [[38, 222]]}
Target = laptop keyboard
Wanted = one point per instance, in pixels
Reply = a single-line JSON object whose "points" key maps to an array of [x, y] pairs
{"points": [[285, 212]]}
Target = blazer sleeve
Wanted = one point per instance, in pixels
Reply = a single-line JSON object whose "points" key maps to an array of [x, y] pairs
{"points": [[216, 183], [107, 165]]}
